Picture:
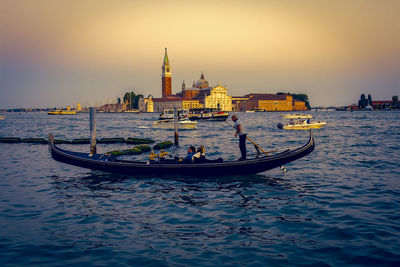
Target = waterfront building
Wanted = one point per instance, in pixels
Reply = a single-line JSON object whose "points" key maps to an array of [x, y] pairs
{"points": [[381, 104], [200, 95], [198, 88], [146, 104], [189, 104], [218, 97], [299, 105], [160, 104], [208, 96], [270, 102], [236, 100]]}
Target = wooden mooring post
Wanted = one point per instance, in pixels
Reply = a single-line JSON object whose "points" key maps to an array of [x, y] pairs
{"points": [[176, 126], [93, 130]]}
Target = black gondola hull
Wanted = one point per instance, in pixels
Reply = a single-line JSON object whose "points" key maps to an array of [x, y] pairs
{"points": [[251, 166]]}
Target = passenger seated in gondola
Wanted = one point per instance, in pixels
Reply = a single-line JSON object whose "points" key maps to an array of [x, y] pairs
{"points": [[200, 155], [291, 122], [190, 154], [308, 121]]}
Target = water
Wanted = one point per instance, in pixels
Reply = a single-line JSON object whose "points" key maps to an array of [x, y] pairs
{"points": [[337, 206]]}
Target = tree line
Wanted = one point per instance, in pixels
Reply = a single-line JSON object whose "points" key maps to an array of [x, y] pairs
{"points": [[365, 101], [132, 100]]}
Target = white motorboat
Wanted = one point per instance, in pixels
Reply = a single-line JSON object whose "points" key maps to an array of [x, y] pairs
{"points": [[169, 114], [303, 125], [297, 116], [131, 111], [169, 124]]}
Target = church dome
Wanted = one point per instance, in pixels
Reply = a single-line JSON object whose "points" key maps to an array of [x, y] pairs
{"points": [[202, 83]]}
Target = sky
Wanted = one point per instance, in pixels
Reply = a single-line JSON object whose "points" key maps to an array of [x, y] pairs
{"points": [[57, 53]]}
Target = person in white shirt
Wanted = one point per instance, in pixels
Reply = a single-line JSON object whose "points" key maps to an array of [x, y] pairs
{"points": [[241, 132]]}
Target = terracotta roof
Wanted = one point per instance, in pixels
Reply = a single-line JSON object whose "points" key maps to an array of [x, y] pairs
{"points": [[240, 97], [168, 98], [379, 102], [191, 89], [198, 97], [266, 97]]}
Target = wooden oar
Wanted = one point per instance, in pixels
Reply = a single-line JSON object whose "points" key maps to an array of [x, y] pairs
{"points": [[248, 138]]}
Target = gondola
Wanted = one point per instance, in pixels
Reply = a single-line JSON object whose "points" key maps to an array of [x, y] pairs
{"points": [[214, 168]]}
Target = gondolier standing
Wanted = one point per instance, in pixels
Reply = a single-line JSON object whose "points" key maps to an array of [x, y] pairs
{"points": [[240, 130]]}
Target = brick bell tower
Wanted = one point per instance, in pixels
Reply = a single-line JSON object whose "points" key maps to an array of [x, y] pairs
{"points": [[166, 77]]}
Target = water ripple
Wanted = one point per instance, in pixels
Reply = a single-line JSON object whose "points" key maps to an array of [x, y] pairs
{"points": [[338, 206]]}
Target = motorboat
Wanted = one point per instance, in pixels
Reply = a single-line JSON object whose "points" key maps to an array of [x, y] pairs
{"points": [[168, 114], [67, 111], [297, 116], [131, 111], [303, 125], [169, 124], [210, 114]]}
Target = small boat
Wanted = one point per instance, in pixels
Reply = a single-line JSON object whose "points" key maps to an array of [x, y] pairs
{"points": [[2, 117], [249, 111], [68, 111], [210, 114], [131, 111], [213, 168], [297, 116], [169, 124], [168, 114], [304, 125], [368, 108]]}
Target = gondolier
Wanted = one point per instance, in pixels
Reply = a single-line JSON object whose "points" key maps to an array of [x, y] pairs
{"points": [[241, 132]]}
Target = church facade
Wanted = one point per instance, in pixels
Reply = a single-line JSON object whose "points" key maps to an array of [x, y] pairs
{"points": [[218, 98]]}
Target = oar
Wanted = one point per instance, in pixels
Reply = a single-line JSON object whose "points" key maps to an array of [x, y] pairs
{"points": [[258, 153], [248, 138]]}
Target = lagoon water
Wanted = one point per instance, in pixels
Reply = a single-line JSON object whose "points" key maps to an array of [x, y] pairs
{"points": [[338, 206]]}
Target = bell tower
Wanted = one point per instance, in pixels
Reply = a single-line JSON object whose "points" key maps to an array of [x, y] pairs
{"points": [[166, 77]]}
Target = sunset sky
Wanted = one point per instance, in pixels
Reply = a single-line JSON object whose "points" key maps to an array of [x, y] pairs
{"points": [[56, 53]]}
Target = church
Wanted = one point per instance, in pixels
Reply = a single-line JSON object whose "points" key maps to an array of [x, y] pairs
{"points": [[200, 95]]}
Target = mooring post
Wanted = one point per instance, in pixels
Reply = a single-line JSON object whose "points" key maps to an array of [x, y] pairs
{"points": [[176, 125], [92, 130]]}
